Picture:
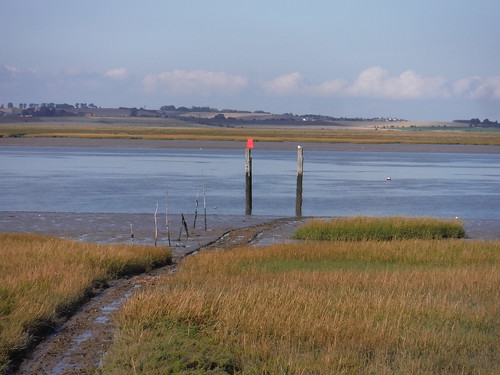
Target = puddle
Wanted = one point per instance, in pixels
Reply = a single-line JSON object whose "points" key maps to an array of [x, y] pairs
{"points": [[82, 337]]}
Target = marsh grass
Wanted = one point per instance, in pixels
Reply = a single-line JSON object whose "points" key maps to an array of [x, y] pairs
{"points": [[380, 229], [336, 307], [154, 130], [44, 277]]}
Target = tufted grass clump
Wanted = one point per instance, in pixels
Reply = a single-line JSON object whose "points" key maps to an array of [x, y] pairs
{"points": [[44, 277], [380, 229]]}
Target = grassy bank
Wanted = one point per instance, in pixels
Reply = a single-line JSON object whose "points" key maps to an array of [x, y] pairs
{"points": [[336, 307], [380, 229], [295, 134], [44, 277]]}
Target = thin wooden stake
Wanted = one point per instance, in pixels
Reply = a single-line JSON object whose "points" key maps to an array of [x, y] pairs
{"points": [[131, 233], [166, 217], [204, 201], [183, 225], [156, 225], [196, 210], [184, 222]]}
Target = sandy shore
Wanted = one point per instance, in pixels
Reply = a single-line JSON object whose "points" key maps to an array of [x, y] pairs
{"points": [[232, 145]]}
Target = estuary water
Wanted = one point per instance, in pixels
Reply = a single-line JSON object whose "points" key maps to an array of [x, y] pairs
{"points": [[335, 183]]}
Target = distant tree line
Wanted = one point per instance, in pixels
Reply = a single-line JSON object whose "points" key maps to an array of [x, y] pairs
{"points": [[477, 123], [49, 109], [173, 108], [80, 109], [50, 105]]}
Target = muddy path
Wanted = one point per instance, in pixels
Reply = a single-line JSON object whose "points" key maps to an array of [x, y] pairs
{"points": [[79, 344]]}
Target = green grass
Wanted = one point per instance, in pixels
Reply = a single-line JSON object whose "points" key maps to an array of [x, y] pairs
{"points": [[380, 229]]}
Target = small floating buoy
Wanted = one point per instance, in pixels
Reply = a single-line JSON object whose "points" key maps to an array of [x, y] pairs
{"points": [[389, 179]]}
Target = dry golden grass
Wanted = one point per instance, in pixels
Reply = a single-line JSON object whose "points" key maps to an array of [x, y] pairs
{"points": [[297, 134], [409, 307], [42, 277]]}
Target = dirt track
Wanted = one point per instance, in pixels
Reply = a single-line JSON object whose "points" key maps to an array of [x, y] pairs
{"points": [[78, 345]]}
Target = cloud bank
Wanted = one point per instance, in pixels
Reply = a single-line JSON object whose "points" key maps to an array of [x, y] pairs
{"points": [[118, 73], [373, 83], [182, 82]]}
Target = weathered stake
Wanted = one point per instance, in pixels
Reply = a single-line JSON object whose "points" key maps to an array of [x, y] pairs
{"points": [[195, 210], [204, 202], [156, 225], [300, 172], [167, 225], [248, 179], [183, 225]]}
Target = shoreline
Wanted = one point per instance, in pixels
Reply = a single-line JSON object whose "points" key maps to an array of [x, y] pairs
{"points": [[234, 145], [116, 227]]}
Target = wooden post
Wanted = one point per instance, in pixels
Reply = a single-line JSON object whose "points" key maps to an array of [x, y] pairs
{"points": [[300, 172], [248, 179]]}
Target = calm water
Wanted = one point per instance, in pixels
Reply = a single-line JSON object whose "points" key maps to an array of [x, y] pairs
{"points": [[335, 183]]}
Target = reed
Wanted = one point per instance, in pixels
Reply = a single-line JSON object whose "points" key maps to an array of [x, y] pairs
{"points": [[44, 277], [380, 229], [384, 307]]}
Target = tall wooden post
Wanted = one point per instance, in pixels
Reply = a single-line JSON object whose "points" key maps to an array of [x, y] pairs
{"points": [[300, 172], [248, 179]]}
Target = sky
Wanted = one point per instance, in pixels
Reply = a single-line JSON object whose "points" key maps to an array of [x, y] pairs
{"points": [[422, 60]]}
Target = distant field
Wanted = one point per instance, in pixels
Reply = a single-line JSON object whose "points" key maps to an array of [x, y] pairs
{"points": [[165, 129]]}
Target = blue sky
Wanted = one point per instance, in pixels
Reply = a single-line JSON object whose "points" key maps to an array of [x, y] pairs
{"points": [[413, 59]]}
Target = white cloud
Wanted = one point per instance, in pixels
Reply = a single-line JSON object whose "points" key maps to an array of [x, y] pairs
{"points": [[75, 71], [373, 82], [488, 88], [285, 84], [465, 85], [118, 73], [294, 83], [478, 88], [376, 82], [194, 82], [329, 88], [12, 69]]}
